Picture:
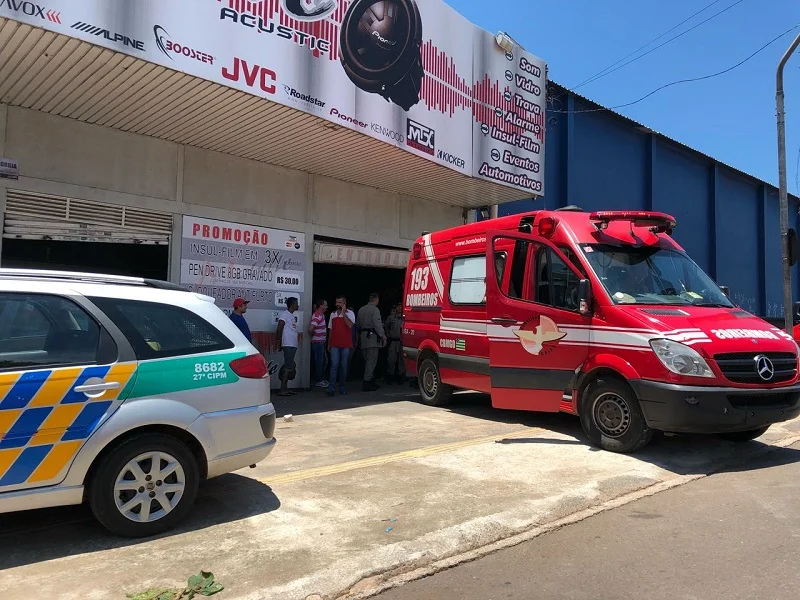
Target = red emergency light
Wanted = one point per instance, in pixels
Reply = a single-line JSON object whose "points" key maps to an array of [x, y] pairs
{"points": [[657, 222], [547, 225]]}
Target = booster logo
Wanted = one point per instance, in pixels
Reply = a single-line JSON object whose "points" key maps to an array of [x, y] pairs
{"points": [[308, 98], [420, 137], [167, 46], [309, 10]]}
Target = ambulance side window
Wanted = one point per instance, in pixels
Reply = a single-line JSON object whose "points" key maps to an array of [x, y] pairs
{"points": [[557, 283], [468, 280]]}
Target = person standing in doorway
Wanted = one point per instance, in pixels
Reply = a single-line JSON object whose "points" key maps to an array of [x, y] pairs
{"points": [[288, 340], [318, 331], [340, 344], [394, 360], [373, 338], [237, 316]]}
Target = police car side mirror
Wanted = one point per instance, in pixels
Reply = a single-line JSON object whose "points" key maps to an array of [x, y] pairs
{"points": [[725, 290], [585, 297]]}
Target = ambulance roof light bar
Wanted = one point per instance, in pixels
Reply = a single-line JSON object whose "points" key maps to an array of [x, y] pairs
{"points": [[657, 222]]}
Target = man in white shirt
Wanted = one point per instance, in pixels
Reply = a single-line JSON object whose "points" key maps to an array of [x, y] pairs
{"points": [[288, 339]]}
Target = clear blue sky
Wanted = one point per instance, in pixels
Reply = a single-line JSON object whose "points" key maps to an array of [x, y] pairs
{"points": [[730, 117]]}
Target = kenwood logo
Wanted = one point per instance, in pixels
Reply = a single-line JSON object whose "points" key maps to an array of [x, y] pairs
{"points": [[420, 137], [117, 38]]}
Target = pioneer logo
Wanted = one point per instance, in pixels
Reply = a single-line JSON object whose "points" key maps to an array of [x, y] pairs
{"points": [[421, 138], [308, 98], [168, 47], [383, 40], [451, 159], [117, 38], [309, 10], [32, 10]]}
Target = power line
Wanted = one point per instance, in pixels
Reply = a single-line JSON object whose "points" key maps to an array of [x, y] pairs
{"points": [[658, 89], [672, 39], [597, 75]]}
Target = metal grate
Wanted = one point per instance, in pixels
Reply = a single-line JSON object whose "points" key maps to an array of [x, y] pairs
{"points": [[740, 367], [665, 312]]}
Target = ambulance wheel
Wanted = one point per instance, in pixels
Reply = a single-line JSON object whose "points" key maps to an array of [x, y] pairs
{"points": [[744, 436], [612, 418], [431, 388], [144, 486]]}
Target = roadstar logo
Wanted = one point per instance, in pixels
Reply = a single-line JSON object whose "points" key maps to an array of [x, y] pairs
{"points": [[293, 93], [32, 10], [117, 38], [168, 47], [420, 137]]}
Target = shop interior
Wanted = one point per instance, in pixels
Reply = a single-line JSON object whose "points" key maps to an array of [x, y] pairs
{"points": [[135, 260]]}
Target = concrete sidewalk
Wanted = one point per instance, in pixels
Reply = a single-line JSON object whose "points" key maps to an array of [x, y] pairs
{"points": [[357, 487]]}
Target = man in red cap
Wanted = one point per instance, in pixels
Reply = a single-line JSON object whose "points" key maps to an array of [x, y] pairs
{"points": [[237, 316]]}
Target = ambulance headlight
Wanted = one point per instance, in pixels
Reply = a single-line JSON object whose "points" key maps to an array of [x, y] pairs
{"points": [[681, 359]]}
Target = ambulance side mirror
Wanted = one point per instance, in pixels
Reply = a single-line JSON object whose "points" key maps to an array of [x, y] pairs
{"points": [[796, 314], [725, 290], [585, 297]]}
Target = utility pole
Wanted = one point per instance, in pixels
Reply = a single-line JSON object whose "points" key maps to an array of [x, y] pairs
{"points": [[784, 199]]}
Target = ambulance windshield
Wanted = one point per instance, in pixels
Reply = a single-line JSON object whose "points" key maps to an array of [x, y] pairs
{"points": [[648, 275]]}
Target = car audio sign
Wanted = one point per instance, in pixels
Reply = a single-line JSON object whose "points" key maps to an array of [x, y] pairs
{"points": [[412, 73]]}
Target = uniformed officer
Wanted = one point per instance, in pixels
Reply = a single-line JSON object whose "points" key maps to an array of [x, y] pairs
{"points": [[372, 339], [394, 328]]}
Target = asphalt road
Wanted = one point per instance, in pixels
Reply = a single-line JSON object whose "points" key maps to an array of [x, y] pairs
{"points": [[731, 535]]}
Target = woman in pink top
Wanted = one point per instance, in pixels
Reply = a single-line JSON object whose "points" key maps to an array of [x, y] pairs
{"points": [[318, 330]]}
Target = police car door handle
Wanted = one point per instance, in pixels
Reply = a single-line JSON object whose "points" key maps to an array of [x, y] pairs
{"points": [[505, 321], [94, 388]]}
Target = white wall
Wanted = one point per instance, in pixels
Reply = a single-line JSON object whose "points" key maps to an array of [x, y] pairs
{"points": [[79, 160]]}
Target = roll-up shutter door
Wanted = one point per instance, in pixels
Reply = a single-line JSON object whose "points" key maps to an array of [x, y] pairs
{"points": [[33, 216]]}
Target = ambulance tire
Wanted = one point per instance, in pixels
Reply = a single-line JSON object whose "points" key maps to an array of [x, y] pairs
{"points": [[101, 486], [614, 405], [744, 436], [431, 388]]}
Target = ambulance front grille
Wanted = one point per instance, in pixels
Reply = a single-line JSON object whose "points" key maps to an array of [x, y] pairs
{"points": [[740, 367]]}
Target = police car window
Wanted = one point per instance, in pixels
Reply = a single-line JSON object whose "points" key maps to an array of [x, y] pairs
{"points": [[45, 331], [162, 330], [468, 280]]}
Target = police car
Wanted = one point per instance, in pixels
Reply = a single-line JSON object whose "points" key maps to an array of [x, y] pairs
{"points": [[124, 393]]}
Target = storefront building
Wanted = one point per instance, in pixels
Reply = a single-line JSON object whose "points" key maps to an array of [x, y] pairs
{"points": [[238, 148]]}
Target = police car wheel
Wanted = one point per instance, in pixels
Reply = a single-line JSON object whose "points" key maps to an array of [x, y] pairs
{"points": [[612, 418], [431, 388], [145, 486], [744, 436]]}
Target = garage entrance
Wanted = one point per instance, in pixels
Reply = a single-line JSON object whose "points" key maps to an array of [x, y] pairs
{"points": [[355, 271], [42, 231]]}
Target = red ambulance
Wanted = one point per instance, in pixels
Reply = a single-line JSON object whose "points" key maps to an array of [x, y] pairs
{"points": [[602, 315]]}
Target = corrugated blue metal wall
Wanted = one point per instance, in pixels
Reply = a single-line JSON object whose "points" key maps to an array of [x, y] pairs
{"points": [[727, 221]]}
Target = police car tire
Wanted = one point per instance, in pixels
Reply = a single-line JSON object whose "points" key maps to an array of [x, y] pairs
{"points": [[101, 487], [744, 436], [638, 434], [443, 393]]}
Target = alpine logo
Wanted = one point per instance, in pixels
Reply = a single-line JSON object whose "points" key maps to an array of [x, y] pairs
{"points": [[309, 10], [117, 38], [307, 98], [421, 138], [32, 10], [168, 47]]}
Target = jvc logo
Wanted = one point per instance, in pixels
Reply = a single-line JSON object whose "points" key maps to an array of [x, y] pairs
{"points": [[266, 78], [421, 137], [32, 10]]}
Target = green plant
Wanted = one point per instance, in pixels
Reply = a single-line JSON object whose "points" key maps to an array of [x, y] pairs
{"points": [[202, 584]]}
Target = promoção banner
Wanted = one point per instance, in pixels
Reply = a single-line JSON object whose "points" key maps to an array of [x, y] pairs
{"points": [[411, 73], [264, 266]]}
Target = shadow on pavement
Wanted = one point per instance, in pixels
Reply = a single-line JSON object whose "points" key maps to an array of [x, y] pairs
{"points": [[40, 535]]}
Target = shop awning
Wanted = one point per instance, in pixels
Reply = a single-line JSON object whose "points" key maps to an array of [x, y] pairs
{"points": [[64, 76]]}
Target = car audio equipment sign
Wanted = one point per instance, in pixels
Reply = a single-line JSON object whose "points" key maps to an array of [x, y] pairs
{"points": [[411, 73]]}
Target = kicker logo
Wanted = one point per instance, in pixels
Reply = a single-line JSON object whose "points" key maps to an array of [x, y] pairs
{"points": [[117, 38], [32, 10], [420, 137]]}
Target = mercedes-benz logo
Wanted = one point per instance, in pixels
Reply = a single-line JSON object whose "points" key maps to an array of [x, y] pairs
{"points": [[764, 367]]}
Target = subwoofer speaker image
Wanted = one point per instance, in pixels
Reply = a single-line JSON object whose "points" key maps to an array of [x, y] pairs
{"points": [[380, 49]]}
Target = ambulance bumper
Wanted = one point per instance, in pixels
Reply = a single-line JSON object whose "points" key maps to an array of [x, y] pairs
{"points": [[690, 409]]}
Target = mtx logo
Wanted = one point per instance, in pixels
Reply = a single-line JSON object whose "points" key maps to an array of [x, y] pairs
{"points": [[421, 137], [111, 37], [309, 10], [32, 10], [168, 47]]}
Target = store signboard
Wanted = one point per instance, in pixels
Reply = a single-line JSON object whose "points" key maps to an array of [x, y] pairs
{"points": [[262, 265], [411, 73], [9, 169], [360, 256]]}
